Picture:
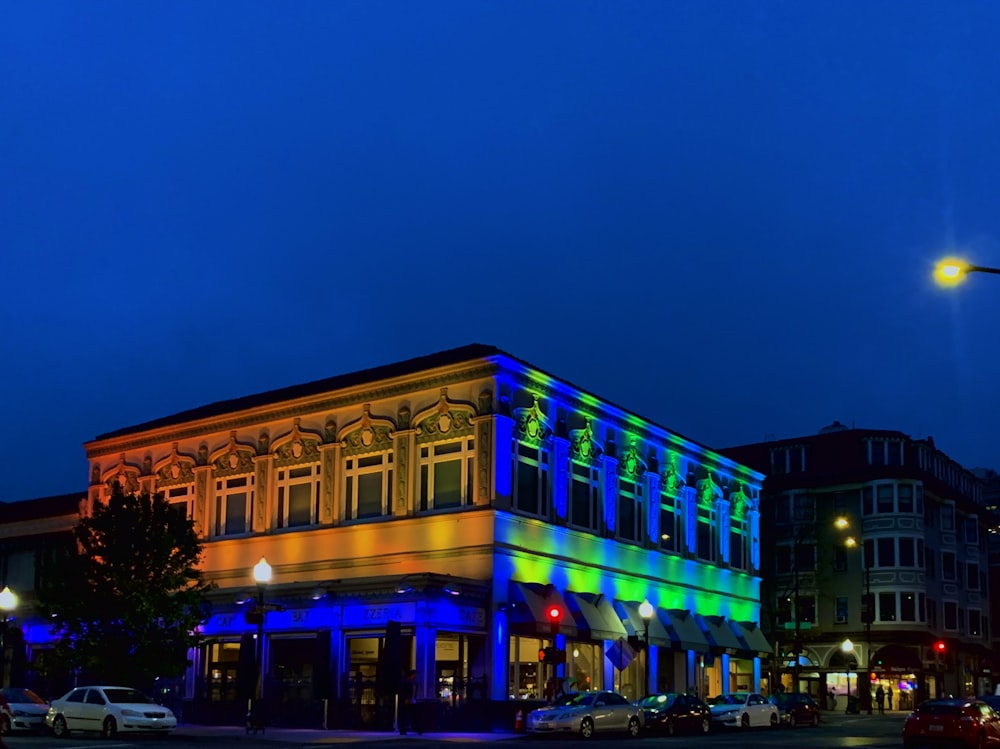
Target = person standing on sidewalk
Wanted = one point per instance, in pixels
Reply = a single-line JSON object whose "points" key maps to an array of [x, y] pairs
{"points": [[888, 696], [408, 703], [880, 699]]}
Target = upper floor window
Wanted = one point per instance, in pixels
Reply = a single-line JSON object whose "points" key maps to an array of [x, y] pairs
{"points": [[975, 622], [797, 508], [947, 517], [298, 496], [951, 615], [887, 607], [907, 606], [971, 576], [670, 522], [886, 552], [532, 489], [585, 490], [972, 530], [181, 499], [233, 498], [368, 486], [446, 473], [948, 566], [905, 493], [738, 537], [629, 510], [707, 541], [882, 452], [790, 459], [911, 552]]}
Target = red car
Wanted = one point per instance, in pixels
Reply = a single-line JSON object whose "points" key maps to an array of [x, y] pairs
{"points": [[963, 721]]}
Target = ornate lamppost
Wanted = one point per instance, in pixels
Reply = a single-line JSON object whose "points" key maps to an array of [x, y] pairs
{"points": [[646, 612], [262, 576], [8, 602]]}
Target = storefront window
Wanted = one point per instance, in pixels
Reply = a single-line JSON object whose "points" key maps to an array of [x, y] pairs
{"points": [[523, 682], [584, 667]]}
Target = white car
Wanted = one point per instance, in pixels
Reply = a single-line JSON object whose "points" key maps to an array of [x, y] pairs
{"points": [[743, 710], [21, 710], [587, 713], [110, 710]]}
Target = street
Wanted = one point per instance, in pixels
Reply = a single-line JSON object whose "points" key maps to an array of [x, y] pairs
{"points": [[873, 732]]}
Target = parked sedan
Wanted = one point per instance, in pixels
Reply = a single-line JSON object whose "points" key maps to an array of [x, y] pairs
{"points": [[110, 710], [587, 713], [953, 721], [673, 712], [796, 709], [743, 710], [21, 710]]}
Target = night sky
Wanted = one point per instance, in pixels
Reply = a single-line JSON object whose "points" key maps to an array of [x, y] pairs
{"points": [[721, 215]]}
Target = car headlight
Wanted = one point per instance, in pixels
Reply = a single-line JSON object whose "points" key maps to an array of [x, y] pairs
{"points": [[131, 713]]}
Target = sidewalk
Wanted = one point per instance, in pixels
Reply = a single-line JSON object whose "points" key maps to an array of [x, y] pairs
{"points": [[319, 736]]}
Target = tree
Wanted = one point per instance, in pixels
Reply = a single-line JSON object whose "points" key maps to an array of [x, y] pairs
{"points": [[126, 606]]}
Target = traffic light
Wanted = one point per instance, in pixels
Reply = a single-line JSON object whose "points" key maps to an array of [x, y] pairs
{"points": [[554, 614], [552, 655], [940, 647]]}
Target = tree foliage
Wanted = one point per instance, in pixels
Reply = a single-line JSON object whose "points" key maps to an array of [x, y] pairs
{"points": [[126, 605]]}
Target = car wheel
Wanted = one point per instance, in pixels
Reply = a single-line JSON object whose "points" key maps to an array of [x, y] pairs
{"points": [[706, 725], [4, 725], [668, 727], [774, 720], [633, 727], [110, 729], [59, 728], [744, 721], [791, 720], [982, 742], [815, 720], [587, 728]]}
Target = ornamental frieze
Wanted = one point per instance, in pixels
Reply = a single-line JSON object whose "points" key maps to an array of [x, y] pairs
{"points": [[631, 466], [673, 482], [367, 435], [708, 491], [297, 447], [740, 502], [235, 460]]}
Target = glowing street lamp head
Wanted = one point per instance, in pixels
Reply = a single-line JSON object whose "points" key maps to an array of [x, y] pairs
{"points": [[847, 646], [8, 600], [262, 572], [646, 610], [841, 523], [950, 271]]}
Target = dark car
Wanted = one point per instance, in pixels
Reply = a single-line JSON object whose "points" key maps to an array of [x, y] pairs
{"points": [[967, 722], [796, 709], [993, 700], [673, 712]]}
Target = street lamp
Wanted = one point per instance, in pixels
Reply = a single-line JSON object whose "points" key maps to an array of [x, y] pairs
{"points": [[646, 612], [848, 647], [867, 615], [8, 602], [262, 576], [952, 271]]}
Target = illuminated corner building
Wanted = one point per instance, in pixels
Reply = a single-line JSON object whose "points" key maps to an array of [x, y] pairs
{"points": [[429, 514], [906, 567]]}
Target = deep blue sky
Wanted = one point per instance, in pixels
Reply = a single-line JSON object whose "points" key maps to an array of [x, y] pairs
{"points": [[721, 215]]}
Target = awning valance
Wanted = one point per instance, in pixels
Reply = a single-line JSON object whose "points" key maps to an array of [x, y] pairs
{"points": [[719, 634], [685, 634], [526, 605], [751, 638], [628, 611], [595, 616]]}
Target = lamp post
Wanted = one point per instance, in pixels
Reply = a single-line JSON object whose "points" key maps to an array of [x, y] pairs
{"points": [[867, 615], [848, 647], [646, 612], [952, 271], [262, 576], [8, 602]]}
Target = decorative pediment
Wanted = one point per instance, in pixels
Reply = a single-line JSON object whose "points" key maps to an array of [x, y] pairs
{"points": [[530, 424], [672, 481], [739, 502], [369, 434], [176, 469], [582, 445], [631, 465], [708, 491], [444, 420], [298, 446], [234, 459], [125, 474]]}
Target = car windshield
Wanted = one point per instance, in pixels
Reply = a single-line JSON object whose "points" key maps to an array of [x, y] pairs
{"points": [[728, 699], [127, 696], [576, 700], [21, 696], [658, 700]]}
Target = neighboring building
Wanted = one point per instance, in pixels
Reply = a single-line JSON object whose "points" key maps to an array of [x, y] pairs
{"points": [[427, 514], [921, 529], [991, 499]]}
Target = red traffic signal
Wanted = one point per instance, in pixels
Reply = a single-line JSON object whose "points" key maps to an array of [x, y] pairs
{"points": [[940, 647], [554, 613]]}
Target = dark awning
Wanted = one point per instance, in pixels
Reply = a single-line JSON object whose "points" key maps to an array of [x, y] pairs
{"points": [[685, 634], [526, 605], [751, 638], [628, 611], [719, 634], [595, 616], [896, 657]]}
